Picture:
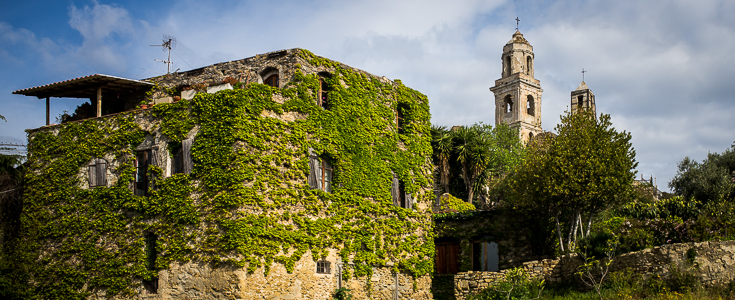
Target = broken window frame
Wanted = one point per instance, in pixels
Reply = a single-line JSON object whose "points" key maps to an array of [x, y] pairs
{"points": [[324, 267], [321, 173], [143, 180]]}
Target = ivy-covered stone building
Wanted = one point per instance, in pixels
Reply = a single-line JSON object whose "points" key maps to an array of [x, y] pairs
{"points": [[280, 176]]}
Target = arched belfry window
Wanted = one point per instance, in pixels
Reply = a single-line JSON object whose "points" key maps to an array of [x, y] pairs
{"points": [[508, 70], [530, 106], [529, 65], [507, 104], [530, 136]]}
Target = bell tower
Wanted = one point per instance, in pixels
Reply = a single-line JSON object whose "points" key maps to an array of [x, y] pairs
{"points": [[517, 92], [583, 98]]}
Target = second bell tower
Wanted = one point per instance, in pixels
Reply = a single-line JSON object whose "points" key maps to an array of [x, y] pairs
{"points": [[517, 92]]}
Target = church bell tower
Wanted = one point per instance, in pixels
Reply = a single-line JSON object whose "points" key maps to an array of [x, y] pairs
{"points": [[517, 92], [583, 98]]}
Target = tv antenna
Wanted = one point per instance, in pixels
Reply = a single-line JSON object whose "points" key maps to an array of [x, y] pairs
{"points": [[168, 43]]}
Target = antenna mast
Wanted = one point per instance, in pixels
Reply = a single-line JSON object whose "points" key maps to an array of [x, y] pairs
{"points": [[168, 43]]}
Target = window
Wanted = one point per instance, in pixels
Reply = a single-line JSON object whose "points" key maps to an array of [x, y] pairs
{"points": [[151, 254], [323, 95], [320, 173], [530, 106], [182, 158], [398, 192], [580, 101], [507, 66], [272, 80], [143, 181], [508, 104], [401, 118], [529, 65], [484, 256], [323, 267], [530, 136], [97, 172]]}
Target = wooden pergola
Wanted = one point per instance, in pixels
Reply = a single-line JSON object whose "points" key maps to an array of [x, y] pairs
{"points": [[91, 87]]}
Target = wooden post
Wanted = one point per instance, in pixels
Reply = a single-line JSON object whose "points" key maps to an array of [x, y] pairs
{"points": [[99, 102], [48, 111]]}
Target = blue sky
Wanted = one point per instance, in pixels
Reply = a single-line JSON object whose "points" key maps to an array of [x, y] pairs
{"points": [[662, 69]]}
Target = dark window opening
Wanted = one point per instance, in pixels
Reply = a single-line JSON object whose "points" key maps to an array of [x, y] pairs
{"points": [[530, 136], [400, 197], [151, 254], [580, 102], [507, 66], [529, 65], [272, 80], [97, 172], [182, 158], [320, 173], [323, 267], [143, 179], [530, 106], [401, 118], [323, 95], [508, 104]]}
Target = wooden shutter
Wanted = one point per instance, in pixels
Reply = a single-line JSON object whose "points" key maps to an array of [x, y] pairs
{"points": [[395, 190], [313, 167], [92, 174], [186, 153], [409, 200], [101, 172]]}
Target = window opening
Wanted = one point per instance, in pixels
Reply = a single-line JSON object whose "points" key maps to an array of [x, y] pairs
{"points": [[484, 256], [401, 118], [579, 102], [323, 267], [144, 180], [323, 94], [530, 136], [508, 104], [529, 65], [530, 106], [151, 253], [507, 66], [401, 198], [320, 174], [97, 172], [182, 158], [272, 80]]}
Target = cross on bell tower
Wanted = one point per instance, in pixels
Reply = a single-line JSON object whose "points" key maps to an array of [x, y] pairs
{"points": [[517, 92]]}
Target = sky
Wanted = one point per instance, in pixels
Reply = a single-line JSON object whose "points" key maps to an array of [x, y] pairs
{"points": [[662, 69]]}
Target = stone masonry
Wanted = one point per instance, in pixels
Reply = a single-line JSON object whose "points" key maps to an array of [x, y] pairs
{"points": [[715, 261]]}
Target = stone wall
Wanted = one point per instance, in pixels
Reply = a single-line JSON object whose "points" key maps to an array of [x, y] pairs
{"points": [[197, 280], [715, 261]]}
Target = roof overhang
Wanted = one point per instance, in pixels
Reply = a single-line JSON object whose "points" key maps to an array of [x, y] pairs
{"points": [[85, 87]]}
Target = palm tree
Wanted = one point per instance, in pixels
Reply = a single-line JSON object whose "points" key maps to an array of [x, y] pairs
{"points": [[473, 146], [442, 140]]}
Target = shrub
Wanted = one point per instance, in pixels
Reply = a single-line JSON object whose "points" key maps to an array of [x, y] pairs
{"points": [[516, 285]]}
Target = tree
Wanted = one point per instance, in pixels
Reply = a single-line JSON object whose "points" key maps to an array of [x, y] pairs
{"points": [[442, 144], [586, 168], [712, 180]]}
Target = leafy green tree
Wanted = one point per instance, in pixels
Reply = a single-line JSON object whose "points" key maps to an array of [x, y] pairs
{"points": [[708, 181], [586, 168]]}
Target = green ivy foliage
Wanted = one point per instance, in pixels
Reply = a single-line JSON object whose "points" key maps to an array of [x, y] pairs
{"points": [[247, 201]]}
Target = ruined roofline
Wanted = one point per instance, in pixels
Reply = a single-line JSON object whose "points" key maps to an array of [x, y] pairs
{"points": [[272, 54]]}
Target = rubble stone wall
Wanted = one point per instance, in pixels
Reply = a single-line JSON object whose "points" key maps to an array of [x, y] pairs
{"points": [[715, 261]]}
